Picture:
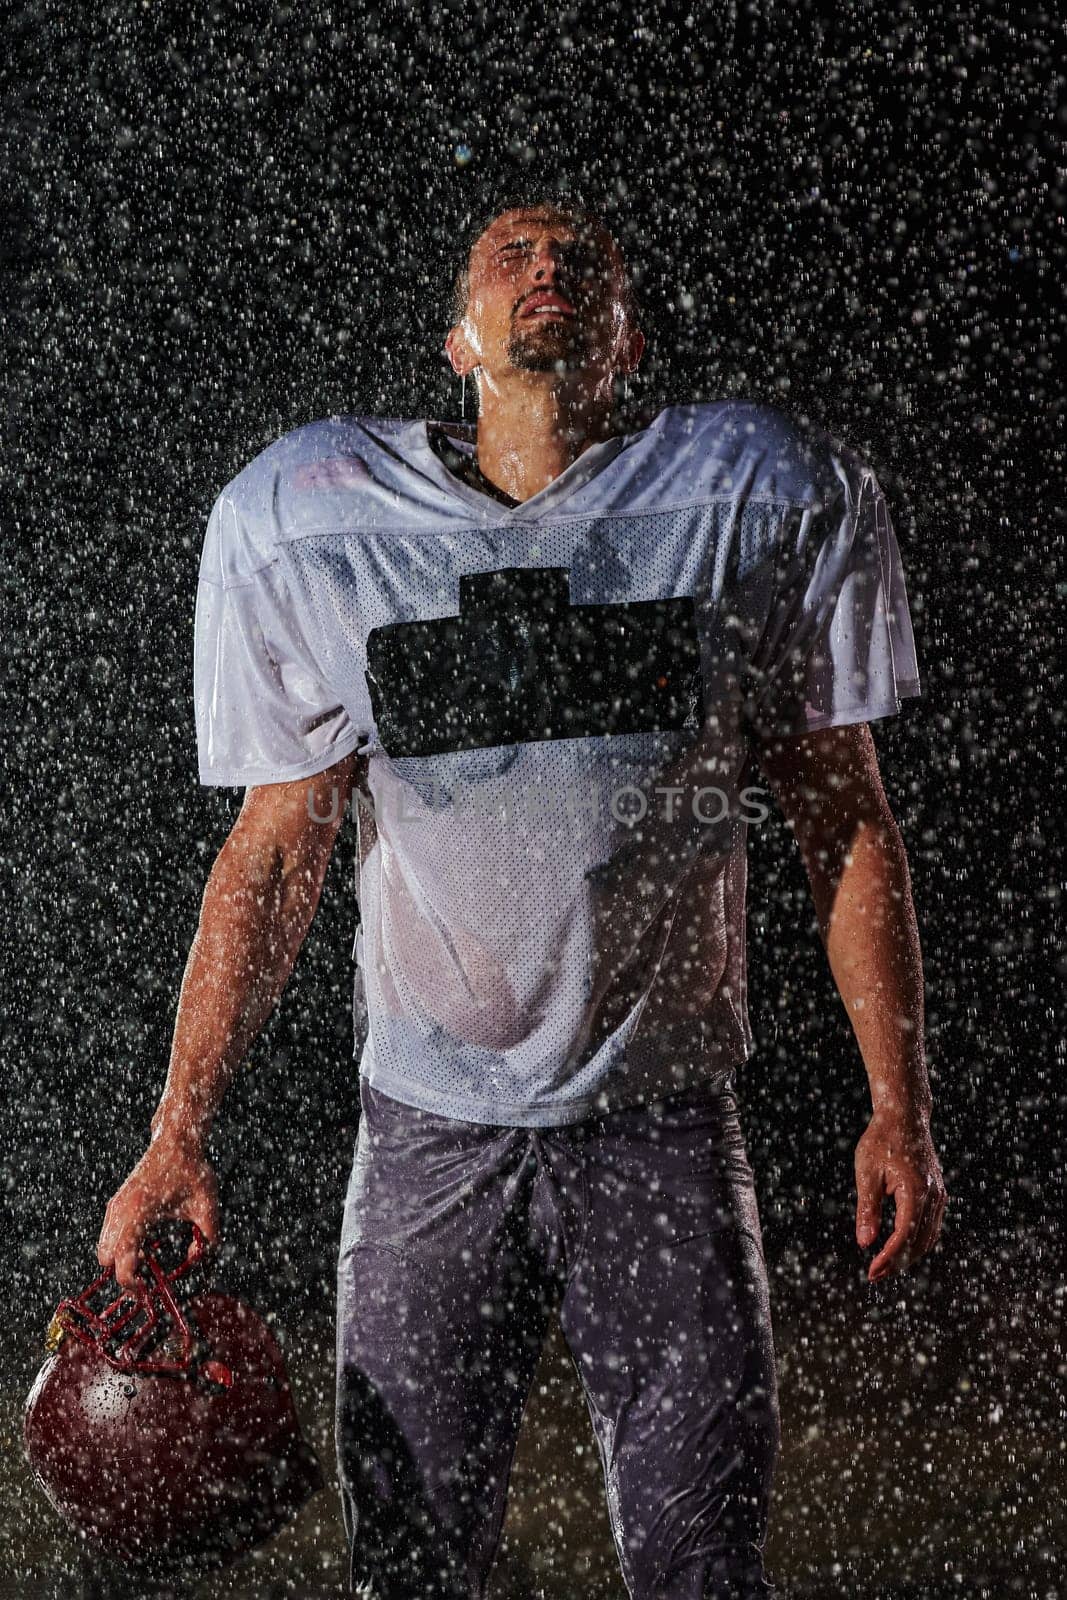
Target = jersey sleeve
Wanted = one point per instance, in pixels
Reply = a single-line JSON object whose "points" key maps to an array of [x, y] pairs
{"points": [[264, 711], [838, 646]]}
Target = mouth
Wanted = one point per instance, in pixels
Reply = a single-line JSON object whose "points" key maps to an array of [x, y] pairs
{"points": [[543, 307]]}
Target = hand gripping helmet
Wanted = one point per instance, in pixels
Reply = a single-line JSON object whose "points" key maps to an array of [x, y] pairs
{"points": [[164, 1431]]}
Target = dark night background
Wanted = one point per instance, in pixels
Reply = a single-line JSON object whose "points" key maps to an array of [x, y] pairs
{"points": [[221, 222]]}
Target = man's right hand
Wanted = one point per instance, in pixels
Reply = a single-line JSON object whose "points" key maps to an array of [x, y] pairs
{"points": [[258, 904], [171, 1180]]}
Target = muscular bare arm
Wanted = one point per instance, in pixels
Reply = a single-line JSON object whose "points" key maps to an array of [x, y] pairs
{"points": [[830, 791], [259, 902]]}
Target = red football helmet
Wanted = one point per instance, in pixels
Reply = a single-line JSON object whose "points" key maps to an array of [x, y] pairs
{"points": [[164, 1431]]}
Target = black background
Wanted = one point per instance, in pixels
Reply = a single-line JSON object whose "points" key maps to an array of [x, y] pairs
{"points": [[224, 221]]}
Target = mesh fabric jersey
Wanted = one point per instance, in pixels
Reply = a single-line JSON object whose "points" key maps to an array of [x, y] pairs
{"points": [[557, 703]]}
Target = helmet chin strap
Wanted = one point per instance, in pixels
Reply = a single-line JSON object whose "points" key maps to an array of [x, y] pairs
{"points": [[463, 396]]}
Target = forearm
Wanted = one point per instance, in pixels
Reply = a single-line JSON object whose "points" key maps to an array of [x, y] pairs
{"points": [[867, 919], [255, 914]]}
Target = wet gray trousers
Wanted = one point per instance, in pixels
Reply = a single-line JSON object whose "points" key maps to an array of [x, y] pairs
{"points": [[639, 1228]]}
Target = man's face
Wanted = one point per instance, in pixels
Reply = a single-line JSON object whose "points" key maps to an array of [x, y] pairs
{"points": [[546, 294]]}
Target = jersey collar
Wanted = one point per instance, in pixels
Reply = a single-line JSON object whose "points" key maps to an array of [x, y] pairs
{"points": [[464, 437]]}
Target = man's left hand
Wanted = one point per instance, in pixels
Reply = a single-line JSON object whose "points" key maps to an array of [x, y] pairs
{"points": [[896, 1157]]}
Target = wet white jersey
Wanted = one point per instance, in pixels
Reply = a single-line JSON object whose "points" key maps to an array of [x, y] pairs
{"points": [[557, 703]]}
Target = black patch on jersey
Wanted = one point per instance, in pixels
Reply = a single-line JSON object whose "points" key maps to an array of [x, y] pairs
{"points": [[520, 663]]}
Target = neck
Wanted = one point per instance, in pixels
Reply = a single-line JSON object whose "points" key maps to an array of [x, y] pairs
{"points": [[533, 425]]}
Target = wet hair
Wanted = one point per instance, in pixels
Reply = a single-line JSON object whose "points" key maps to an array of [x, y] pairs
{"points": [[573, 210]]}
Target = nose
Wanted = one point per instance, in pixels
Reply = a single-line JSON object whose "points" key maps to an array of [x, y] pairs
{"points": [[547, 259]]}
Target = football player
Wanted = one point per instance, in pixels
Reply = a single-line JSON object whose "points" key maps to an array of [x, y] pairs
{"points": [[544, 660]]}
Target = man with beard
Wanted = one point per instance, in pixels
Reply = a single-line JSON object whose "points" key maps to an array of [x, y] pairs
{"points": [[541, 655]]}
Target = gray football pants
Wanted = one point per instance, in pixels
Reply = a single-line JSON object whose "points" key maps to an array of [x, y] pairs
{"points": [[460, 1239]]}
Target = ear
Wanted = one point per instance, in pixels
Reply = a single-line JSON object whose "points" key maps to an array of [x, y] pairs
{"points": [[459, 352], [632, 350]]}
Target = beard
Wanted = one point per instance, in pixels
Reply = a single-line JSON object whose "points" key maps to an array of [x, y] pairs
{"points": [[541, 348]]}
